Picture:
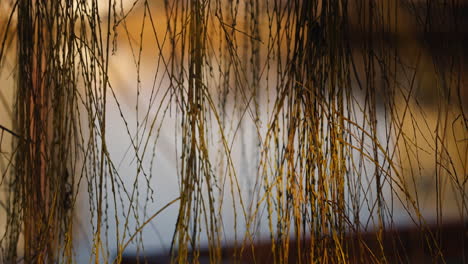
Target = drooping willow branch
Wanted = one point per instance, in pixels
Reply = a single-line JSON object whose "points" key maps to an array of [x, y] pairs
{"points": [[300, 122]]}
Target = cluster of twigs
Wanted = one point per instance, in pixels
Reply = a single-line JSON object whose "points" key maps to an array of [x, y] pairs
{"points": [[338, 135]]}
